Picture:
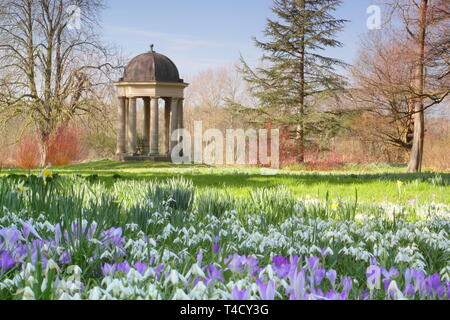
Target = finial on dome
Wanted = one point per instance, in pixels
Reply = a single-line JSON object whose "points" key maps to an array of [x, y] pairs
{"points": [[151, 47]]}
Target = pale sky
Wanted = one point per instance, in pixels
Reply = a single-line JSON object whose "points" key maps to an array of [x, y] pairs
{"points": [[200, 34]]}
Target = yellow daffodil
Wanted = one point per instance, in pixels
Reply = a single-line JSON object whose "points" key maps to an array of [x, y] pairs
{"points": [[46, 173], [335, 205], [400, 184]]}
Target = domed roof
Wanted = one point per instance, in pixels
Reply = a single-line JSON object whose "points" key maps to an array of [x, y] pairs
{"points": [[149, 67]]}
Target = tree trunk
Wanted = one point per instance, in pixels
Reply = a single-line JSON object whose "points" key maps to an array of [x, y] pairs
{"points": [[301, 127], [415, 163]]}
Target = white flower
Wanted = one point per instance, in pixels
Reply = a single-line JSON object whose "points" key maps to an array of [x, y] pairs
{"points": [[180, 295], [28, 294]]}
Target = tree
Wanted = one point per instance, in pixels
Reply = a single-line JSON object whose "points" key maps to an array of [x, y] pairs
{"points": [[52, 63], [421, 19], [295, 77], [381, 88]]}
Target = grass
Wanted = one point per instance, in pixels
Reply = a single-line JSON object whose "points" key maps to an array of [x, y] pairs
{"points": [[372, 183]]}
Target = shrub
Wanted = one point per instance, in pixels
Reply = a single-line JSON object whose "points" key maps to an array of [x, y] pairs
{"points": [[28, 152], [65, 146]]}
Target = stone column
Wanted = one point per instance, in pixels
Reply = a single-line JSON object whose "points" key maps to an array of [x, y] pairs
{"points": [[132, 126], [121, 127], [174, 121], [146, 127], [167, 101], [154, 145], [180, 116]]}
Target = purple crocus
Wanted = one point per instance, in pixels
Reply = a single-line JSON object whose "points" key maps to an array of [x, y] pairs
{"points": [[391, 274], [108, 269], [347, 284], [281, 266], [313, 263], [235, 262], [28, 229], [10, 236], [7, 261], [58, 234], [331, 276], [216, 246], [113, 236], [319, 275], [373, 274], [410, 290], [266, 290], [200, 258], [65, 257], [297, 286], [237, 294], [213, 274], [123, 267], [252, 265], [158, 269], [141, 267]]}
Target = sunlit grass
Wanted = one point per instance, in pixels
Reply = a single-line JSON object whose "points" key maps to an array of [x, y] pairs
{"points": [[374, 183]]}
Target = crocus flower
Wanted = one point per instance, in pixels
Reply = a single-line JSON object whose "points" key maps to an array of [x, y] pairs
{"points": [[319, 275], [214, 274], [391, 274], [28, 229], [313, 263], [108, 269], [6, 260], [65, 257], [216, 246], [158, 269], [373, 274], [58, 234], [123, 267], [281, 266], [252, 265], [237, 294], [331, 276], [347, 284], [10, 236], [200, 258], [410, 290], [141, 267], [297, 286], [235, 262], [267, 291]]}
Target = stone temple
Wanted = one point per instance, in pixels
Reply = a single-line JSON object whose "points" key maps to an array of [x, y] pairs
{"points": [[151, 77]]}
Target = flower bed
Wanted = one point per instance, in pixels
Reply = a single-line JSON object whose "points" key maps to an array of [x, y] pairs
{"points": [[67, 238]]}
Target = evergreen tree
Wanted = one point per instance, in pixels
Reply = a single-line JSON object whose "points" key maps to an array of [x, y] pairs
{"points": [[296, 79]]}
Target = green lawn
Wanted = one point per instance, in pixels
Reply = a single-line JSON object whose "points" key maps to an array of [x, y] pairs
{"points": [[374, 183]]}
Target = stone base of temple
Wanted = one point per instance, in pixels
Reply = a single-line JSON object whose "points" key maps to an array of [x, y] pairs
{"points": [[127, 157]]}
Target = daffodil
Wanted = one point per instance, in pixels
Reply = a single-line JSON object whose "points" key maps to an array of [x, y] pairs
{"points": [[22, 189], [46, 173], [400, 184], [335, 205]]}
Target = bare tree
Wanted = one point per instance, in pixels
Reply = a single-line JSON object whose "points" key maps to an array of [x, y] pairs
{"points": [[53, 65], [422, 20], [381, 87]]}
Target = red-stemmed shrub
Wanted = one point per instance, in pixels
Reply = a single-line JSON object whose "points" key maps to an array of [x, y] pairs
{"points": [[65, 146], [27, 154]]}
